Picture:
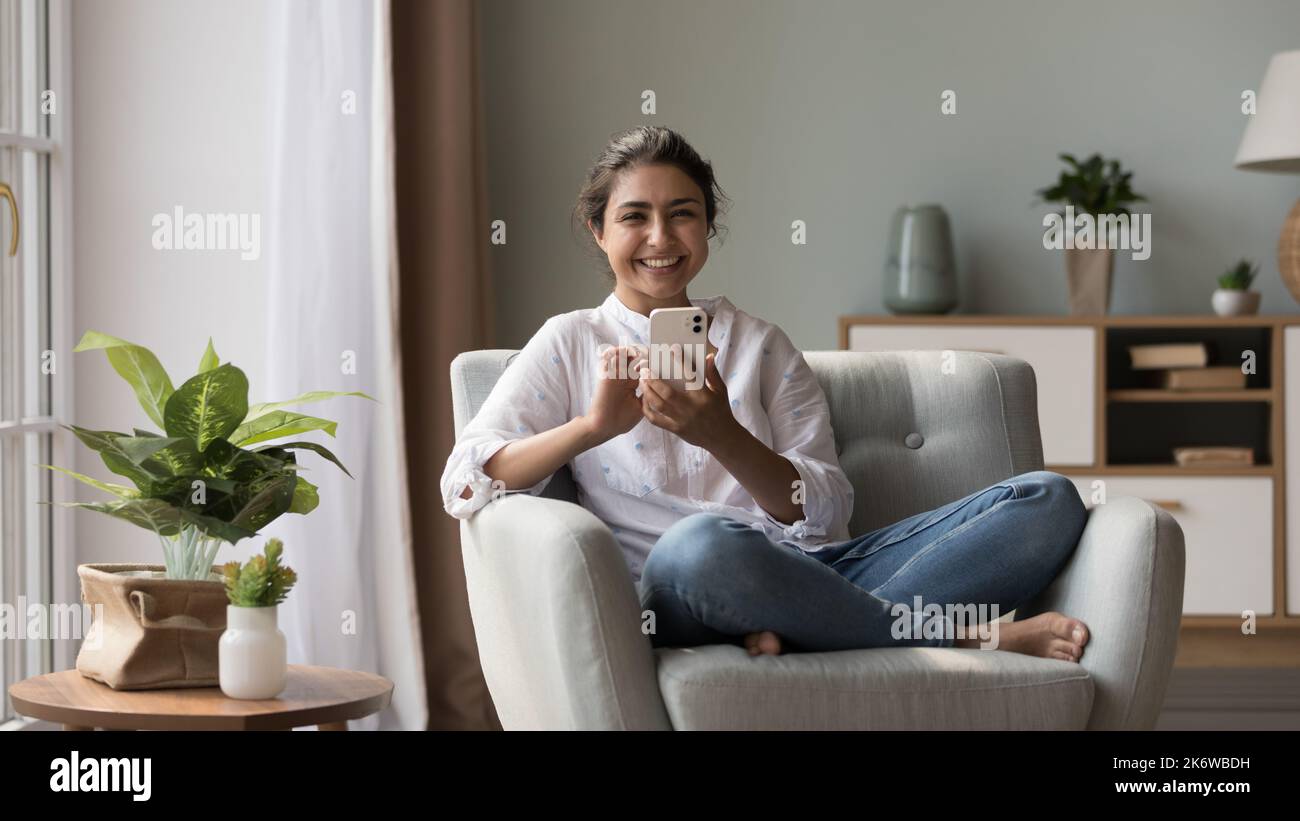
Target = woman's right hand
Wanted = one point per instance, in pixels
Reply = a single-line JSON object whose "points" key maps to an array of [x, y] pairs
{"points": [[615, 408]]}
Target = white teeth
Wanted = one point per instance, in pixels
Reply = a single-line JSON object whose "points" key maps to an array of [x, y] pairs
{"points": [[660, 262]]}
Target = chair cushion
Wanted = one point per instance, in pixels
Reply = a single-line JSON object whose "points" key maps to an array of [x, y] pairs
{"points": [[722, 687]]}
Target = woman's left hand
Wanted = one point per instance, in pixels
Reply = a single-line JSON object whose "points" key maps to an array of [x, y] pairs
{"points": [[701, 417]]}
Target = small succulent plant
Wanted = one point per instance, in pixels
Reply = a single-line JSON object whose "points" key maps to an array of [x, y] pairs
{"points": [[1239, 276], [262, 581]]}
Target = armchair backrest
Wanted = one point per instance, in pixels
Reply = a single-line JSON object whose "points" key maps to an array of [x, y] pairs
{"points": [[913, 429]]}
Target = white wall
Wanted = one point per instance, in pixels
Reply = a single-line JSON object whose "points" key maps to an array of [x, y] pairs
{"points": [[169, 110]]}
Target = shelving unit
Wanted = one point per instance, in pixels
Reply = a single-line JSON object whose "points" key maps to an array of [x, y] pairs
{"points": [[1100, 419]]}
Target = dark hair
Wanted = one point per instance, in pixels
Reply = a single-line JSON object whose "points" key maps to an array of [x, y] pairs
{"points": [[644, 145]]}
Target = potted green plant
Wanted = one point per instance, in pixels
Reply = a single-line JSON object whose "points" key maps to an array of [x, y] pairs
{"points": [[213, 475], [253, 658], [1233, 297], [1095, 187]]}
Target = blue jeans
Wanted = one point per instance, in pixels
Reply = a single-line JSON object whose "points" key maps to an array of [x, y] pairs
{"points": [[711, 580]]}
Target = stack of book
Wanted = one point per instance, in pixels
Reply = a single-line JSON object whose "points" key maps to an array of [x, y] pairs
{"points": [[1214, 457], [1185, 366]]}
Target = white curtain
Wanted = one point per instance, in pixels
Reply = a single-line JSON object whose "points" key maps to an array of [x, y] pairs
{"points": [[332, 294]]}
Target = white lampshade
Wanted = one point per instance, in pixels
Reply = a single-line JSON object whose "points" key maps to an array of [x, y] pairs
{"points": [[1272, 138]]}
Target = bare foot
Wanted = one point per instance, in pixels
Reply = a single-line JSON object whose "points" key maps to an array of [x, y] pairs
{"points": [[1051, 635], [764, 642]]}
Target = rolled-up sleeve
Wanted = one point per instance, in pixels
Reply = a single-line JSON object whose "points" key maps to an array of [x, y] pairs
{"points": [[801, 432], [531, 396]]}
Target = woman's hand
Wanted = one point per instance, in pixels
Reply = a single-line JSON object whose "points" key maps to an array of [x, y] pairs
{"points": [[701, 417], [615, 408]]}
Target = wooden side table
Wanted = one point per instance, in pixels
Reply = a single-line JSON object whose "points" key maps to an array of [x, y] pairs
{"points": [[325, 696]]}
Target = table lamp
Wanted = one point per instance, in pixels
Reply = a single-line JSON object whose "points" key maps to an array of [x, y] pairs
{"points": [[1272, 143]]}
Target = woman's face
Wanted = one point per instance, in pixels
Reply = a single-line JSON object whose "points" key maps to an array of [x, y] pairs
{"points": [[655, 214]]}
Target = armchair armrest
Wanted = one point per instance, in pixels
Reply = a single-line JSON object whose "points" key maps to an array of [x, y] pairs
{"points": [[558, 619], [1125, 581]]}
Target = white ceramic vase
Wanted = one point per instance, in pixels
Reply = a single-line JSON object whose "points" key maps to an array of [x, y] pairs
{"points": [[1230, 302], [252, 654]]}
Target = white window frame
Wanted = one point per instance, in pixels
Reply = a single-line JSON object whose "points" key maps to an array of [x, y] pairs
{"points": [[62, 580]]}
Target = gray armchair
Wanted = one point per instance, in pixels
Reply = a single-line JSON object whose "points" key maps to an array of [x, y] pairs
{"points": [[558, 619]]}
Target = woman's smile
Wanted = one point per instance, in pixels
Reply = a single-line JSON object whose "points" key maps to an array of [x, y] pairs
{"points": [[657, 266]]}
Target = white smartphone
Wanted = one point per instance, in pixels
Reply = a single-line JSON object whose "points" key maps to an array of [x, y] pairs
{"points": [[684, 327]]}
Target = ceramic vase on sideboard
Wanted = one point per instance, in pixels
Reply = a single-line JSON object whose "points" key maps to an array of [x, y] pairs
{"points": [[920, 271]]}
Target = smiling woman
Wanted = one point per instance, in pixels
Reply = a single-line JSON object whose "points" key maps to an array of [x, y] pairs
{"points": [[729, 502], [757, 448]]}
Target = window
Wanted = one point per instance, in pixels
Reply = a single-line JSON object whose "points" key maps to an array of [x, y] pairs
{"points": [[35, 373]]}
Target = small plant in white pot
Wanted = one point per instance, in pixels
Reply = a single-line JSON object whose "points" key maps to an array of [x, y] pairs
{"points": [[1233, 297], [252, 654]]}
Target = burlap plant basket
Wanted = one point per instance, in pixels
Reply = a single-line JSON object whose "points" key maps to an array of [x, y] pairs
{"points": [[154, 632]]}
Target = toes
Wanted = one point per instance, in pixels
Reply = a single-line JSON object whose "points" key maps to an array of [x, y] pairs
{"points": [[1072, 630], [1079, 632], [764, 641], [1060, 648]]}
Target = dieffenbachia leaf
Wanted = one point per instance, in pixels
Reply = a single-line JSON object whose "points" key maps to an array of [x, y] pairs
{"points": [[273, 499], [165, 519], [138, 366], [120, 491], [140, 448], [181, 458], [263, 408], [208, 406], [305, 498], [209, 359], [278, 423], [245, 467], [312, 446], [105, 443], [180, 490]]}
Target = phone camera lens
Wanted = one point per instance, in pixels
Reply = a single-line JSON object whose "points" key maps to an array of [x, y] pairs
{"points": [[696, 319], [697, 329]]}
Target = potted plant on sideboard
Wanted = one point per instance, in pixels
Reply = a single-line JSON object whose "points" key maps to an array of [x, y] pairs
{"points": [[1098, 188], [212, 476], [1233, 297]]}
